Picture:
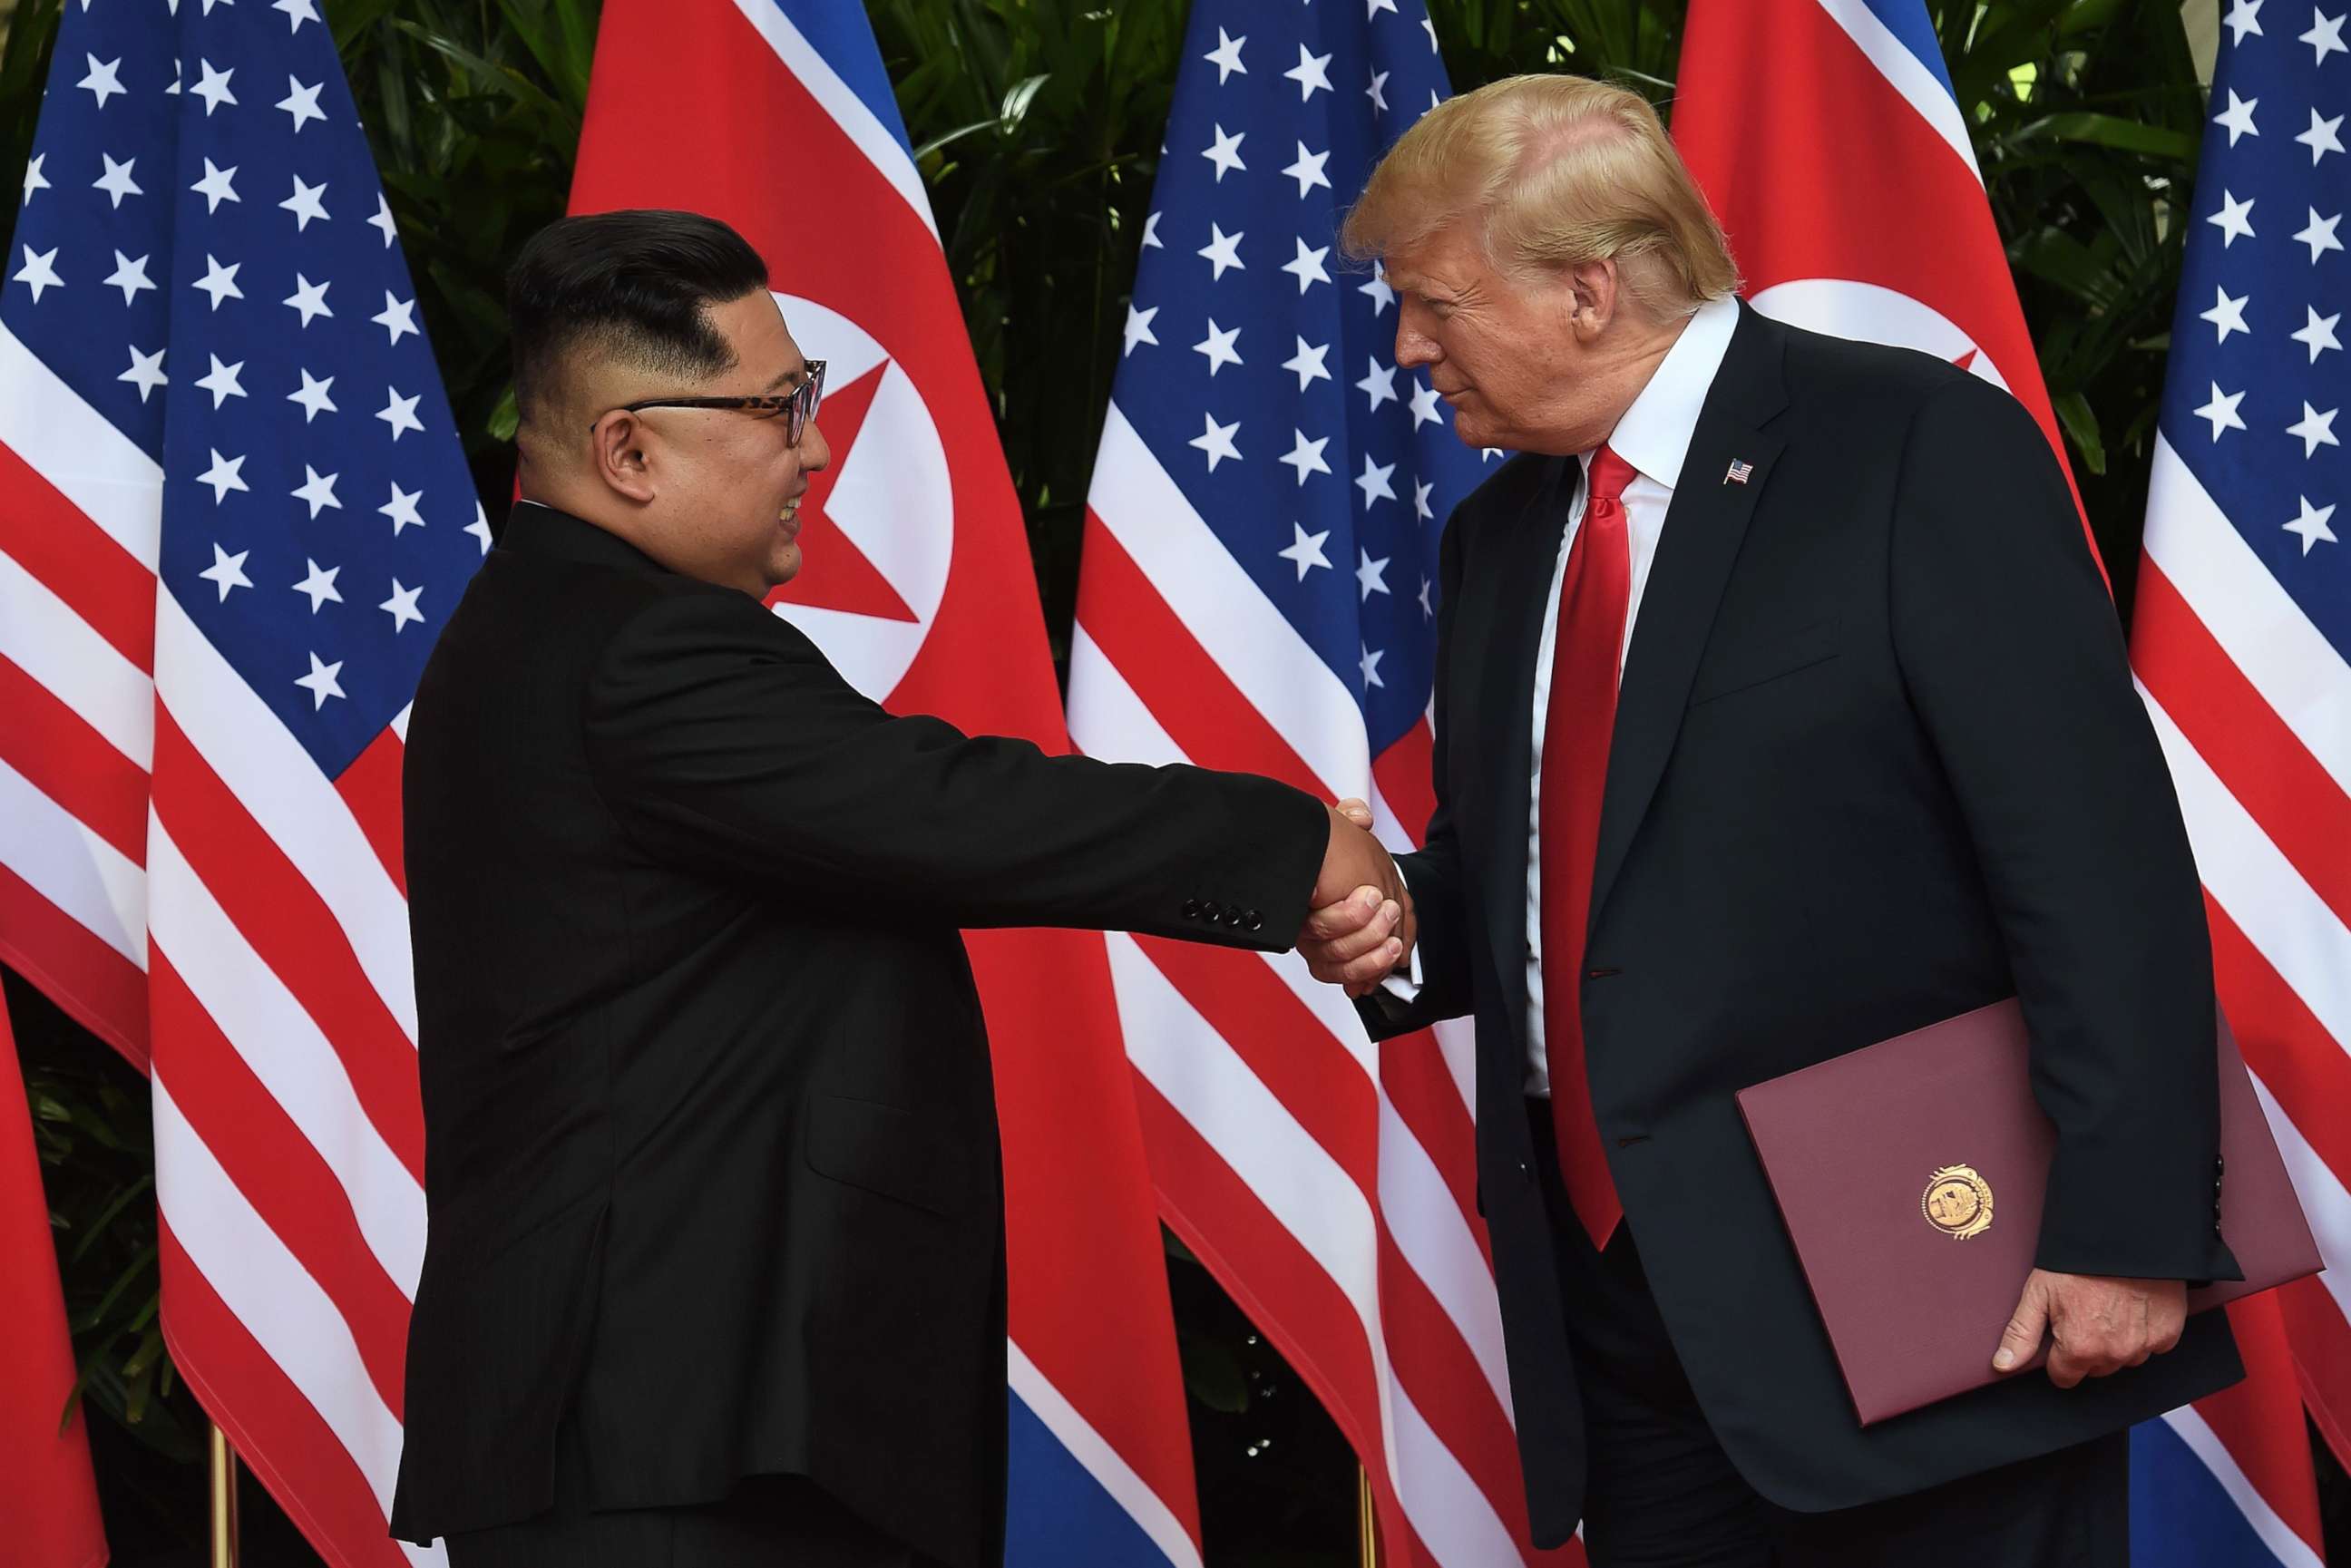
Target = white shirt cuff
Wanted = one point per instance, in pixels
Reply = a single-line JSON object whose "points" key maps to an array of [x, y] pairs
{"points": [[1406, 986]]}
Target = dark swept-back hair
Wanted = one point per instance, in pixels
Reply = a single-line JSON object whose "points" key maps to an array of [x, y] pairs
{"points": [[634, 285]]}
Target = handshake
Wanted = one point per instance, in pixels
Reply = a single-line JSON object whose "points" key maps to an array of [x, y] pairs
{"points": [[1361, 926]]}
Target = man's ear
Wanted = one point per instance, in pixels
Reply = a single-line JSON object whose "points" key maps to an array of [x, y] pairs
{"points": [[1597, 296], [617, 447]]}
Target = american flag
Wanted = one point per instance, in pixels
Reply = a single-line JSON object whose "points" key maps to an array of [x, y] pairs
{"points": [[2241, 640], [1259, 591], [239, 516]]}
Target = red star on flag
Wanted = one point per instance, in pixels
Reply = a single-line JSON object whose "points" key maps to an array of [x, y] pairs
{"points": [[834, 573]]}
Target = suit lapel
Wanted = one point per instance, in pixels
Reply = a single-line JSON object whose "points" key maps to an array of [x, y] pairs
{"points": [[1507, 687], [1703, 529]]}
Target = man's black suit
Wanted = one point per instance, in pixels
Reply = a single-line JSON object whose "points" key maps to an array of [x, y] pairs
{"points": [[1878, 760], [710, 1141]]}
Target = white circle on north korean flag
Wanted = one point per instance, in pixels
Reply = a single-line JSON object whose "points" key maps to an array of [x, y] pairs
{"points": [[1872, 314], [872, 578]]}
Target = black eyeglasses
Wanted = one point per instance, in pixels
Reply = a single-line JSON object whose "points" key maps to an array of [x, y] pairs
{"points": [[799, 405]]}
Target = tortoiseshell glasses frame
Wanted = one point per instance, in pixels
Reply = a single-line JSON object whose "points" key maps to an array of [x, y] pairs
{"points": [[799, 405]]}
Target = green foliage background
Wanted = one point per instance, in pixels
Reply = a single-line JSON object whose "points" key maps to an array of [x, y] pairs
{"points": [[1037, 124]]}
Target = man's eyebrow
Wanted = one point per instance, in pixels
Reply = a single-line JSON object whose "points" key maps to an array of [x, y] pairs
{"points": [[794, 374]]}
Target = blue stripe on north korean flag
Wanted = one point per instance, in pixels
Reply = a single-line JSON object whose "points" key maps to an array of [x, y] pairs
{"points": [[2182, 1516], [845, 40], [1907, 21], [1060, 1515]]}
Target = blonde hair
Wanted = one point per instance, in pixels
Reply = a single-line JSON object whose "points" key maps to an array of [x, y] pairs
{"points": [[1556, 172]]}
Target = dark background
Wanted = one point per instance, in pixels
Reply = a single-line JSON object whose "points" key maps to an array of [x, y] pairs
{"points": [[1037, 124]]}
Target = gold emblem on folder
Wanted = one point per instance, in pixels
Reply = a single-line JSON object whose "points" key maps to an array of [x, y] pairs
{"points": [[1958, 1202]]}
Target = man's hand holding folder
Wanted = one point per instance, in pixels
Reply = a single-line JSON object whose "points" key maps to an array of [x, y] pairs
{"points": [[2093, 1325]]}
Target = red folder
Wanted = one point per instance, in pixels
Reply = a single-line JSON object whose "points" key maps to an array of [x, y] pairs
{"points": [[1910, 1174]]}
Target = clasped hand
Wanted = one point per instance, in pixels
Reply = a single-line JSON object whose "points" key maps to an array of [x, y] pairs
{"points": [[1361, 926]]}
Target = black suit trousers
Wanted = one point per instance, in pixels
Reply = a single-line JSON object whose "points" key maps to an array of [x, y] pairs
{"points": [[766, 1521], [1661, 1494]]}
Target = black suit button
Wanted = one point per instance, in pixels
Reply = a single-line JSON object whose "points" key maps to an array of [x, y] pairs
{"points": [[1526, 1171], [1212, 912], [1253, 921], [1191, 909]]}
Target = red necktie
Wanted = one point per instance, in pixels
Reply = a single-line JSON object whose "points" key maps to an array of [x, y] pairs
{"points": [[1582, 717]]}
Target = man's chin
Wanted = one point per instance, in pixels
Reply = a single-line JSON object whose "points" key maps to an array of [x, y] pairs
{"points": [[784, 565]]}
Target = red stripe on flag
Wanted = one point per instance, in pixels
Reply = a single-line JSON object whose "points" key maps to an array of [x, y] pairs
{"points": [[1271, 1277], [2321, 1339], [103, 991], [1078, 1185], [72, 763], [2305, 1069], [1426, 1348], [276, 1431], [282, 1175], [1315, 1077], [2284, 1044], [296, 933], [78, 560], [1421, 1088], [2259, 1421], [370, 788], [2241, 738], [1436, 1366], [47, 1494], [1298, 1060], [1402, 772], [1190, 694]]}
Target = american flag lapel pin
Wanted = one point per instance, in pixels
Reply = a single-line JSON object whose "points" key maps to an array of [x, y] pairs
{"points": [[1738, 472]]}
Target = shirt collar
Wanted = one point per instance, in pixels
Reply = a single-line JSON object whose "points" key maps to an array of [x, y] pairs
{"points": [[1654, 437]]}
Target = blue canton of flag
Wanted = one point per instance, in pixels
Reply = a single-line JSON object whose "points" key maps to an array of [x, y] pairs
{"points": [[2257, 375], [1260, 369], [206, 255]]}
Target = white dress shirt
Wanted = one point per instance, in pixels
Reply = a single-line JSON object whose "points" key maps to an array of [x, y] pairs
{"points": [[1654, 437]]}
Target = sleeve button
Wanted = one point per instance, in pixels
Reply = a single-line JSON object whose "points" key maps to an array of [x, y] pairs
{"points": [[1191, 909], [1212, 912], [1253, 920]]}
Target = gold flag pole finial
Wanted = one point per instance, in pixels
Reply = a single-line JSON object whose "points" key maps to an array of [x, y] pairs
{"points": [[224, 1510]]}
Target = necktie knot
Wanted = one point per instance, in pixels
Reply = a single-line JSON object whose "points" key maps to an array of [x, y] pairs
{"points": [[1610, 475]]}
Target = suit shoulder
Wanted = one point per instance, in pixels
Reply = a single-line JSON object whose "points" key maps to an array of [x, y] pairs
{"points": [[1917, 399], [1505, 493], [685, 613], [1821, 367]]}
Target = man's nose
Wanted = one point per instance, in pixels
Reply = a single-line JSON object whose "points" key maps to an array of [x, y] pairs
{"points": [[1414, 350], [815, 455]]}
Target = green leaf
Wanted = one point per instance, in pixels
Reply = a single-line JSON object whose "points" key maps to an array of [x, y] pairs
{"points": [[506, 416], [2110, 130], [1017, 101], [947, 137], [96, 1229], [2081, 423], [1212, 1374], [499, 78]]}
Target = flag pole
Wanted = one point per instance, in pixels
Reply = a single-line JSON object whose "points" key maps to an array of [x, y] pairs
{"points": [[224, 1502], [1367, 1530]]}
